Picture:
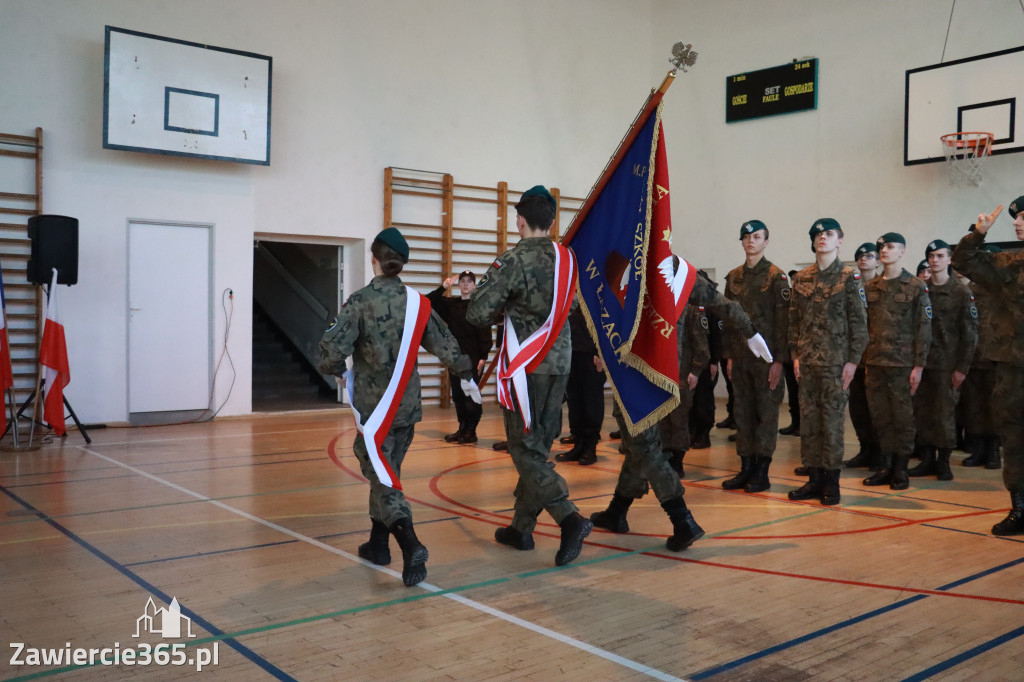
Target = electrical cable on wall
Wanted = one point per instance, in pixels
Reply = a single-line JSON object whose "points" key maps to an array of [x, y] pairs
{"points": [[228, 315]]}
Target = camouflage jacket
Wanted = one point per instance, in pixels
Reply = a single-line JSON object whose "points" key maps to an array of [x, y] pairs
{"points": [[706, 294], [1002, 276], [827, 317], [954, 326], [692, 339], [368, 329], [764, 293], [899, 322], [995, 328], [521, 281]]}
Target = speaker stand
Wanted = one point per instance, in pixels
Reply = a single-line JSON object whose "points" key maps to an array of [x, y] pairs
{"points": [[35, 420]]}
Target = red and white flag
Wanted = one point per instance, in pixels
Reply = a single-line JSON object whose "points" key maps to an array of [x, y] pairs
{"points": [[6, 375], [53, 356]]}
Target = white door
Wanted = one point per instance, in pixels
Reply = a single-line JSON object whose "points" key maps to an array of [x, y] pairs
{"points": [[169, 339]]}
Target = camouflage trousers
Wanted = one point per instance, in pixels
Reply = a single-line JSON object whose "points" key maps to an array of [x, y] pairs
{"points": [[822, 416], [892, 408], [976, 399], [387, 505], [645, 465], [860, 415], [1008, 398], [755, 407], [675, 427], [539, 487], [935, 409]]}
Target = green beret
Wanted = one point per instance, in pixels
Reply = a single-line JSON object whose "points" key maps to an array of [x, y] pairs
{"points": [[1016, 206], [752, 226], [822, 225], [540, 191], [866, 247], [393, 238], [935, 245], [923, 265], [891, 238]]}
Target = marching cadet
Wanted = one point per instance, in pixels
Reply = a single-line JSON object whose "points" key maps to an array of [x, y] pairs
{"points": [[995, 345], [527, 284], [694, 355], [899, 331], [870, 453], [827, 335], [954, 339], [646, 465], [372, 329], [762, 289], [1003, 275]]}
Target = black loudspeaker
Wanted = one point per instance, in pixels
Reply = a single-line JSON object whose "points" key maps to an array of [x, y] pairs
{"points": [[54, 245]]}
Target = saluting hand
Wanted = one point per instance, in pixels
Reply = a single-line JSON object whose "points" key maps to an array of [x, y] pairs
{"points": [[986, 221]]}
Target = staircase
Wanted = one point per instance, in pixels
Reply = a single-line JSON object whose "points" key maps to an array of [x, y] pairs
{"points": [[281, 378]]}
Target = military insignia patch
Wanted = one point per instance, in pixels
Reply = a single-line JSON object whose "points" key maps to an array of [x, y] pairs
{"points": [[974, 312], [483, 281], [704, 323], [786, 294], [863, 296], [497, 264], [334, 323], [856, 275], [720, 327], [928, 311]]}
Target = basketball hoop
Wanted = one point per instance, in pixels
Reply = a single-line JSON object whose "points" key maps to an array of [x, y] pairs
{"points": [[964, 154]]}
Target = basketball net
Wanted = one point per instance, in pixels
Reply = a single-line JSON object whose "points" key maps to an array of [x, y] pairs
{"points": [[965, 153]]}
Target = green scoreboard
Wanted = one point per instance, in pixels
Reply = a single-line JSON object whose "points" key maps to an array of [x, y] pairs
{"points": [[777, 90]]}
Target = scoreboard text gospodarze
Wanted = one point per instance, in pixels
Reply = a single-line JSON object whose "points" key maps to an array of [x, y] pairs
{"points": [[777, 90]]}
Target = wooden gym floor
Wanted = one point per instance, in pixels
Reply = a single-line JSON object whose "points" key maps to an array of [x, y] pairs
{"points": [[253, 523]]}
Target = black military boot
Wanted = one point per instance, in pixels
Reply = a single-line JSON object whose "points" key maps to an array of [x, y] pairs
{"points": [[685, 530], [830, 487], [507, 535], [802, 470], [568, 440], [758, 481], [572, 455], [376, 551], [927, 465], [701, 440], [468, 436], [942, 470], [862, 460], [727, 423], [614, 517], [979, 451], [575, 529], [675, 460], [883, 475], [589, 454], [791, 430], [740, 479], [414, 554], [898, 480], [812, 489], [992, 458], [878, 459], [1013, 524], [454, 437]]}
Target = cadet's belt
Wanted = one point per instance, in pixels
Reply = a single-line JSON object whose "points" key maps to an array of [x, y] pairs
{"points": [[515, 359], [375, 430]]}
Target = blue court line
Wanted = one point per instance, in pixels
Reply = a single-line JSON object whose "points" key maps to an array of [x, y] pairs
{"points": [[245, 651], [965, 656], [731, 665]]}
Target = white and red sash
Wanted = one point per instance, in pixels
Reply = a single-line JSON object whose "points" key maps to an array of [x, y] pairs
{"points": [[375, 430], [516, 360]]}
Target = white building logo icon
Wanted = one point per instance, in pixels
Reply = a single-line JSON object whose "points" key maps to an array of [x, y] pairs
{"points": [[169, 618]]}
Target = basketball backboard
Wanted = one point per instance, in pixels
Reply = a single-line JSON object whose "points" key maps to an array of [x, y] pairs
{"points": [[981, 93]]}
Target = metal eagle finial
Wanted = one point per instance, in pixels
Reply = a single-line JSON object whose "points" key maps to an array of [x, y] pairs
{"points": [[682, 56]]}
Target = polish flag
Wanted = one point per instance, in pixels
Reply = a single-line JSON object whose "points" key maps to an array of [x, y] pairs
{"points": [[53, 355], [6, 375]]}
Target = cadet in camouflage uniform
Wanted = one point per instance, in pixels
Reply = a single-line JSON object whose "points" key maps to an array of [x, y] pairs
{"points": [[521, 283], [1003, 275], [827, 335], [369, 329], [646, 463], [870, 453], [762, 288], [995, 345], [954, 338], [900, 335], [694, 355]]}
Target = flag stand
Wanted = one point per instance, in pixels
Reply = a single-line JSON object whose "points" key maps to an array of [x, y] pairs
{"points": [[21, 410]]}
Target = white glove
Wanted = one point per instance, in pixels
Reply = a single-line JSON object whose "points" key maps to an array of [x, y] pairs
{"points": [[759, 348], [470, 388]]}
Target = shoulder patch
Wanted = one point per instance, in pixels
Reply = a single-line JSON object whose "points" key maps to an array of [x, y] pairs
{"points": [[786, 294], [928, 311], [483, 281], [974, 312], [856, 275], [720, 327], [704, 323], [334, 322], [863, 296], [497, 264]]}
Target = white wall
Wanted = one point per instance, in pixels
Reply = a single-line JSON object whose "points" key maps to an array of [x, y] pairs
{"points": [[527, 92], [843, 160], [524, 91]]}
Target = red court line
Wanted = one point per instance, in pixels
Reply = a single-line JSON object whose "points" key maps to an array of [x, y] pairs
{"points": [[701, 562]]}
